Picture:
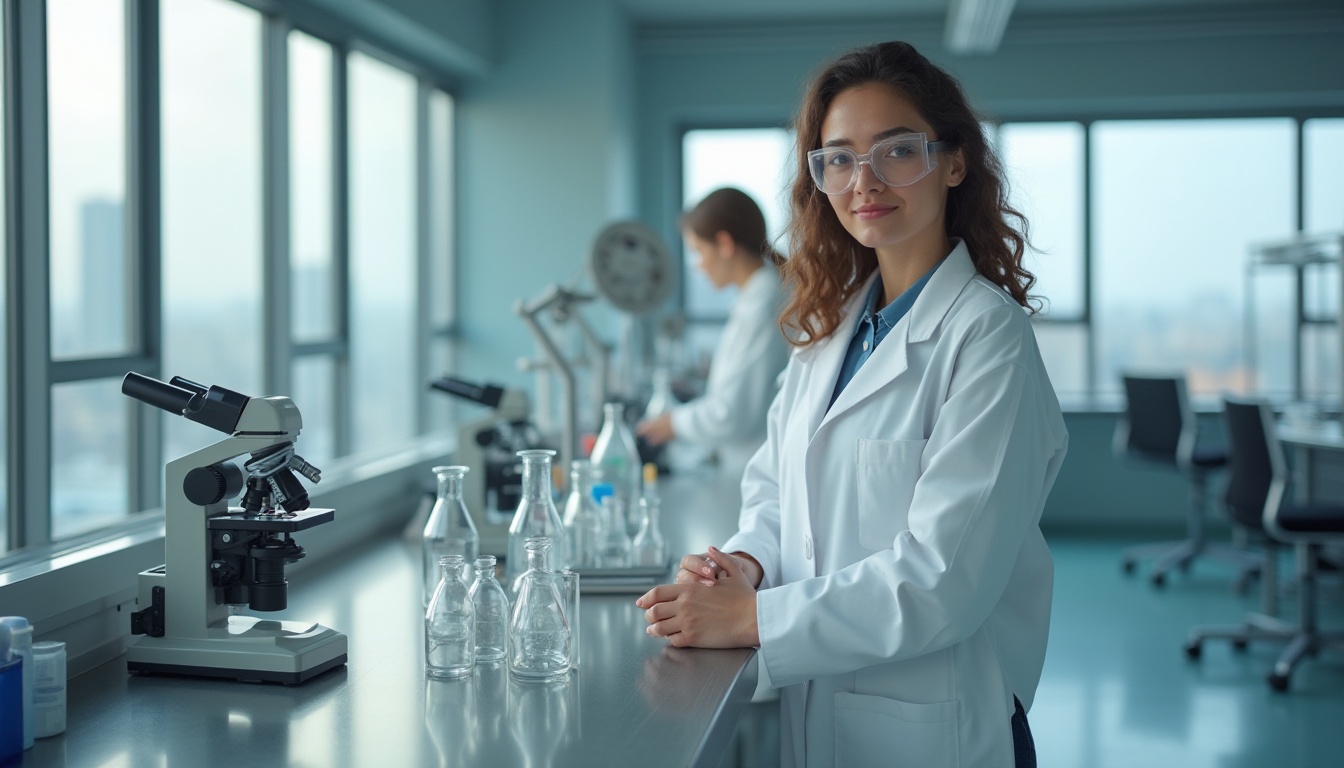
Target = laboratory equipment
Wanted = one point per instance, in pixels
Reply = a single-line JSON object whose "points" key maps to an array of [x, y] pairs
{"points": [[648, 547], [217, 557], [539, 633], [11, 700], [450, 624], [631, 267], [488, 446], [21, 645], [49, 688], [536, 516], [569, 591], [449, 530], [615, 458], [491, 606], [582, 519], [614, 550]]}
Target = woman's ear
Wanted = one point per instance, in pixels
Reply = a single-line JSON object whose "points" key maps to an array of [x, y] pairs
{"points": [[957, 168], [723, 243]]}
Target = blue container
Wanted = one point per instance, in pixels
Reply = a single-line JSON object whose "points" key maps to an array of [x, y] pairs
{"points": [[11, 708]]}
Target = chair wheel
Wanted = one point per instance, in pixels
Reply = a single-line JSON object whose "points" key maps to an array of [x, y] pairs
{"points": [[1278, 682], [1193, 650], [1159, 579], [1240, 645], [1127, 566]]}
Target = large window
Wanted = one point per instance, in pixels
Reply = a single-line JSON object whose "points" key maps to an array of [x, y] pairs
{"points": [[439, 230], [382, 253]]}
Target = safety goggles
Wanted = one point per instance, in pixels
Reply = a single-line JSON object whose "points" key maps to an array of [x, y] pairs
{"points": [[897, 162]]}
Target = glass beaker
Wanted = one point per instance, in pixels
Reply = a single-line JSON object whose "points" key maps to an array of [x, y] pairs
{"points": [[449, 530], [450, 624], [615, 457], [648, 547], [536, 516], [491, 606], [539, 632], [582, 520]]}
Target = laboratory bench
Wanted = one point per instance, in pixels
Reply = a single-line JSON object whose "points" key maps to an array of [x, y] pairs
{"points": [[635, 700]]}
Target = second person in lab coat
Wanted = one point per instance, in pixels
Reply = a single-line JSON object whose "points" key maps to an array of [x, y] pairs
{"points": [[727, 230], [889, 562]]}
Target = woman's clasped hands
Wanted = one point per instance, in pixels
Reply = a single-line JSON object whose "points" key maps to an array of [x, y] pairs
{"points": [[712, 603]]}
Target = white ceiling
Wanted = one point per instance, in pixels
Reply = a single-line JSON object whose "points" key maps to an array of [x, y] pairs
{"points": [[801, 10]]}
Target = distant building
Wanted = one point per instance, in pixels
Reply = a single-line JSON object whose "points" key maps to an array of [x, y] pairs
{"points": [[102, 250]]}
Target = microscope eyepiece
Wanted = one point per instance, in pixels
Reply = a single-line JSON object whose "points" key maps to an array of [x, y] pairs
{"points": [[159, 394], [216, 407]]}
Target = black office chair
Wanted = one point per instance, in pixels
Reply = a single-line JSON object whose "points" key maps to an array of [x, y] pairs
{"points": [[1158, 427], [1307, 527]]}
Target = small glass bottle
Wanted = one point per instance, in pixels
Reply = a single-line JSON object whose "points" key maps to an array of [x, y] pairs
{"points": [[450, 624], [583, 524], [661, 399], [648, 547], [539, 631], [615, 457], [536, 516], [614, 551], [491, 607], [449, 530]]}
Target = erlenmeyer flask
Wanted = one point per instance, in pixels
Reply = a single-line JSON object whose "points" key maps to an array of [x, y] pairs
{"points": [[450, 624], [539, 632], [536, 516], [449, 530]]}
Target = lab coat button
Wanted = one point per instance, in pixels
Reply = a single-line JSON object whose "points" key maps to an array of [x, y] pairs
{"points": [[807, 547]]}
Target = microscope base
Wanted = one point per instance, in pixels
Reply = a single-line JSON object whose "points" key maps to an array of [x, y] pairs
{"points": [[244, 648]]}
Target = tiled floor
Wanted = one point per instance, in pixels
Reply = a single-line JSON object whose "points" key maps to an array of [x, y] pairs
{"points": [[1118, 691]]}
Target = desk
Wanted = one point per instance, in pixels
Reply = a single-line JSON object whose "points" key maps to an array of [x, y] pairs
{"points": [[634, 701], [1318, 473]]}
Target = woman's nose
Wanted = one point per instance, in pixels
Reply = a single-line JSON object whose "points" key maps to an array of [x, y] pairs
{"points": [[868, 178]]}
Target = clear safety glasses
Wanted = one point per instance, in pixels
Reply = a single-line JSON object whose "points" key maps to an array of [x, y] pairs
{"points": [[897, 162]]}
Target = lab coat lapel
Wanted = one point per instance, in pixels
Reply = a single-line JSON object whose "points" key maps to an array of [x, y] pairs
{"points": [[827, 357], [890, 359]]}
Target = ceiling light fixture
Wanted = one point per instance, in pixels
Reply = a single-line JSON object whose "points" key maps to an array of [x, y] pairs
{"points": [[976, 26]]}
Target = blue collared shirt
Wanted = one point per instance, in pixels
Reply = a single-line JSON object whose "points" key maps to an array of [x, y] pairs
{"points": [[874, 325]]}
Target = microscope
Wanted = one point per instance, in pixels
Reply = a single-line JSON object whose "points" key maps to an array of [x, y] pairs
{"points": [[219, 558], [490, 446]]}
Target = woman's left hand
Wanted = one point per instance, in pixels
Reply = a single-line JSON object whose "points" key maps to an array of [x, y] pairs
{"points": [[694, 615], [657, 430]]}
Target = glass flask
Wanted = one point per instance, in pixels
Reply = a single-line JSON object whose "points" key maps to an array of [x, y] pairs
{"points": [[536, 516], [648, 547], [450, 624], [539, 632], [614, 551], [491, 607], [615, 457], [449, 530], [582, 518], [661, 399]]}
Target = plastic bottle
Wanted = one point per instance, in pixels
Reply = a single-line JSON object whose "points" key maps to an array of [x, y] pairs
{"points": [[21, 644], [491, 606], [536, 516], [539, 632], [450, 624], [615, 457], [582, 518], [11, 699], [49, 688], [449, 530]]}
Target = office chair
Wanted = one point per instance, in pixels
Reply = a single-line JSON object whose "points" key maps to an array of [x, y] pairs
{"points": [[1158, 427], [1305, 526]]}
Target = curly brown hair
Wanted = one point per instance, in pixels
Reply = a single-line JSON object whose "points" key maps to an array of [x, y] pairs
{"points": [[827, 265]]}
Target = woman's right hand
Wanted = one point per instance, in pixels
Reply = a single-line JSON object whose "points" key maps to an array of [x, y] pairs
{"points": [[700, 569]]}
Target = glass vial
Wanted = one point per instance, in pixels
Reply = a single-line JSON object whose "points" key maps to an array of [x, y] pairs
{"points": [[648, 547], [491, 607], [582, 519], [450, 624], [569, 591], [449, 530], [615, 458], [536, 516], [539, 633], [614, 551], [49, 688]]}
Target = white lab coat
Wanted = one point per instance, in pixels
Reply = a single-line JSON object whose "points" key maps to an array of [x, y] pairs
{"points": [[743, 376], [907, 585]]}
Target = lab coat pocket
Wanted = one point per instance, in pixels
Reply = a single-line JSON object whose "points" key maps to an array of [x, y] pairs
{"points": [[875, 730], [888, 471]]}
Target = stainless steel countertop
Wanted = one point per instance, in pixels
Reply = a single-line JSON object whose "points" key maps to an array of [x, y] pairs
{"points": [[634, 701]]}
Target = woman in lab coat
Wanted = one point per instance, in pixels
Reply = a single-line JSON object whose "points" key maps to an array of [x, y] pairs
{"points": [[889, 562], [727, 230]]}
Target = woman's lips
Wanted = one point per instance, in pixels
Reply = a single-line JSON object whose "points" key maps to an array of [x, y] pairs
{"points": [[870, 212]]}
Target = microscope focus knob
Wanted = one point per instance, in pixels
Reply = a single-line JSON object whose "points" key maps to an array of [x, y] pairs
{"points": [[209, 485]]}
